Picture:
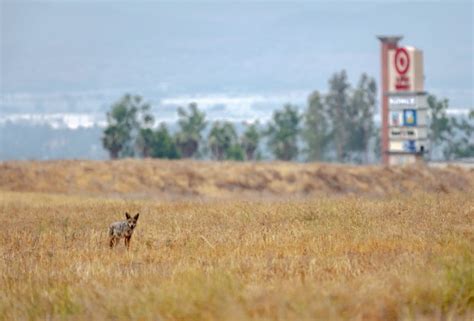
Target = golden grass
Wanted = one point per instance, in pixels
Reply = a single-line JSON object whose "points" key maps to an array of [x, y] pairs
{"points": [[331, 258], [210, 180]]}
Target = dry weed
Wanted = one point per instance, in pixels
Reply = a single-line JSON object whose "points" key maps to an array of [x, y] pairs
{"points": [[345, 258]]}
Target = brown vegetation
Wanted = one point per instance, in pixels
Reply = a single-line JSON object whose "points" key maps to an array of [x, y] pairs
{"points": [[177, 179], [221, 251], [345, 258]]}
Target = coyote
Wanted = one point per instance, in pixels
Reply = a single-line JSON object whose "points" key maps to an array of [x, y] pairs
{"points": [[123, 229]]}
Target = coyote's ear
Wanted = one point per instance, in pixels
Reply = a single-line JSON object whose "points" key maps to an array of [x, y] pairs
{"points": [[127, 215], [136, 216]]}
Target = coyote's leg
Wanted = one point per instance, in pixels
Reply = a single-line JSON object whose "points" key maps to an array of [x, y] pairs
{"points": [[127, 241], [113, 241]]}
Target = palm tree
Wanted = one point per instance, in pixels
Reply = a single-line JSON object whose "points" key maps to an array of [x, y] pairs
{"points": [[221, 139], [283, 133], [192, 123], [250, 140]]}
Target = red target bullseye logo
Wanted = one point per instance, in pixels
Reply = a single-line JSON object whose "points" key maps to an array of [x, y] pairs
{"points": [[402, 61]]}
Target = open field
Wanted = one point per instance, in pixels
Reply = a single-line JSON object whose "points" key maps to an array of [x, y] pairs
{"points": [[406, 254], [161, 179]]}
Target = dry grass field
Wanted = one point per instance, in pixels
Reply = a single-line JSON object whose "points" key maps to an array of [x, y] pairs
{"points": [[400, 256], [161, 179]]}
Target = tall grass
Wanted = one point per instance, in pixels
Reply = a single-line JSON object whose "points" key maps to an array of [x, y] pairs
{"points": [[332, 258], [160, 179]]}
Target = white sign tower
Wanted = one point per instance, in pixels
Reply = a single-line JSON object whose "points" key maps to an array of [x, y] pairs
{"points": [[407, 106]]}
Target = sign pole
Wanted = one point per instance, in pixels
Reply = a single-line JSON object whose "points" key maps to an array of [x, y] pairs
{"points": [[387, 43], [404, 107]]}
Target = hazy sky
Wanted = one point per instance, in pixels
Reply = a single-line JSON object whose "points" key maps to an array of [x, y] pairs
{"points": [[180, 48]]}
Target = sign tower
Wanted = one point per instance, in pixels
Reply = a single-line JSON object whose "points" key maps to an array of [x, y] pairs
{"points": [[404, 103]]}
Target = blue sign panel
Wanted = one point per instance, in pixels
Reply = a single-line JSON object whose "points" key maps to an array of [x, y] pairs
{"points": [[409, 117], [409, 146]]}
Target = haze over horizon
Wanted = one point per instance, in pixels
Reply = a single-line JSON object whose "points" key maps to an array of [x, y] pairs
{"points": [[80, 56]]}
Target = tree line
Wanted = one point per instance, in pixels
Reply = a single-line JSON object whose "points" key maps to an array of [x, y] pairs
{"points": [[337, 126], [450, 137]]}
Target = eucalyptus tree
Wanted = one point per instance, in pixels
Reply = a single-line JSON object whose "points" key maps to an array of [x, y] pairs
{"points": [[360, 122], [337, 101], [124, 121], [316, 128]]}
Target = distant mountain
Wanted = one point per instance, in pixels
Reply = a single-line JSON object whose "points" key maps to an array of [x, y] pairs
{"points": [[89, 108]]}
